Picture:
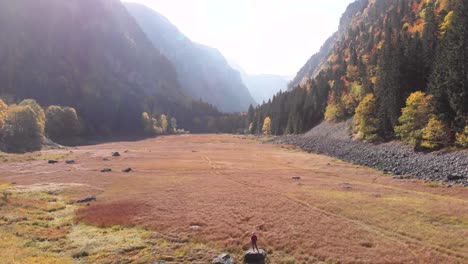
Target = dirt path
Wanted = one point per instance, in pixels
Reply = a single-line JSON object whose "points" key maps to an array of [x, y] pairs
{"points": [[217, 189]]}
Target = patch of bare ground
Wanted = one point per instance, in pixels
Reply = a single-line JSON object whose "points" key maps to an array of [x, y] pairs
{"points": [[214, 190]]}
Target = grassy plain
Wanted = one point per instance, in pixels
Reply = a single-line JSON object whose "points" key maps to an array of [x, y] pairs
{"points": [[192, 197]]}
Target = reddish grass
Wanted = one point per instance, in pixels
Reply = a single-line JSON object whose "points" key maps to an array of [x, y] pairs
{"points": [[217, 189]]}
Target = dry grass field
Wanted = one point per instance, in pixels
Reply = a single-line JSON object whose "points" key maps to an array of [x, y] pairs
{"points": [[192, 197]]}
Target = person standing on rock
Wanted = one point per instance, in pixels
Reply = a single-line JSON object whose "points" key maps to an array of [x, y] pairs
{"points": [[254, 242]]}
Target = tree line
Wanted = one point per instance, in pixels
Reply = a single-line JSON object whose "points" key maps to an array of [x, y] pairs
{"points": [[396, 80]]}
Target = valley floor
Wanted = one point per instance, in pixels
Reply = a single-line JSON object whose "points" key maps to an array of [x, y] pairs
{"points": [[194, 196]]}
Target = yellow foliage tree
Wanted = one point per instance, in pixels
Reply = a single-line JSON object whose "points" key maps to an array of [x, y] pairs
{"points": [[38, 112], [366, 120], [266, 129], [164, 124], [335, 112], [435, 134], [462, 138], [415, 116], [3, 112], [22, 131], [448, 20]]}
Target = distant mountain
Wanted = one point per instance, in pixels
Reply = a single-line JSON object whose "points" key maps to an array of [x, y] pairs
{"points": [[202, 71], [262, 86]]}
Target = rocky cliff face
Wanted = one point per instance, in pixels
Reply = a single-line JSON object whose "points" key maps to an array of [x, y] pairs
{"points": [[202, 71]]}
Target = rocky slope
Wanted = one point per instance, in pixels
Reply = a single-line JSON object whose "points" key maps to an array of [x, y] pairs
{"points": [[202, 71], [392, 157]]}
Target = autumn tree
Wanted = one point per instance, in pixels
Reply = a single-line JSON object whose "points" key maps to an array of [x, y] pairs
{"points": [[366, 122], [3, 112], [174, 124], [435, 134], [22, 130], [414, 118], [164, 124], [462, 138], [266, 129]]}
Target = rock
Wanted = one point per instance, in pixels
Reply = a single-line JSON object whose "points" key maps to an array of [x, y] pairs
{"points": [[70, 162], [254, 257], [106, 170], [53, 161], [223, 259], [454, 177], [87, 199], [105, 159], [116, 154], [296, 178], [127, 170]]}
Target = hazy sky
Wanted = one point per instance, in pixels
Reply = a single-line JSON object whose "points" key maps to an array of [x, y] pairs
{"points": [[262, 36]]}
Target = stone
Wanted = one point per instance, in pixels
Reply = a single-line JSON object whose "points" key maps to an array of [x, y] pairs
{"points": [[87, 199], [223, 259], [296, 178], [254, 257], [53, 161], [106, 170], [116, 154], [127, 170], [70, 162]]}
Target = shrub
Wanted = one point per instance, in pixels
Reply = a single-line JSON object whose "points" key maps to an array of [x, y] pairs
{"points": [[164, 124], [414, 118], [366, 119], [62, 123], [22, 129], [435, 134], [462, 138]]}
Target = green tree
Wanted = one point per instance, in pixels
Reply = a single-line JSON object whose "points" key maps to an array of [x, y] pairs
{"points": [[414, 118], [266, 129], [388, 86], [429, 36], [147, 122], [366, 119], [62, 124], [462, 138], [449, 80], [38, 112], [22, 130], [174, 125]]}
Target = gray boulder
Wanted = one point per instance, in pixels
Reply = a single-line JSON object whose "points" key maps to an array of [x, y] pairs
{"points": [[254, 257], [224, 259]]}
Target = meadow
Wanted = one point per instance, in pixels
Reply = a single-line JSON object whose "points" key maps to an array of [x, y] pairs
{"points": [[192, 197]]}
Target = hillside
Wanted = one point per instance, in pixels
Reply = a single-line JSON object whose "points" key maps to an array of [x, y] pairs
{"points": [[90, 55], [384, 51], [203, 71]]}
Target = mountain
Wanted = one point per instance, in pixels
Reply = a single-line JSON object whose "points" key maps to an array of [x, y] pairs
{"points": [[262, 87], [91, 55], [383, 52], [202, 71]]}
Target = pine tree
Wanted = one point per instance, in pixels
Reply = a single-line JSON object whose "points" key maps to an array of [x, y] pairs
{"points": [[448, 82], [388, 86], [429, 36]]}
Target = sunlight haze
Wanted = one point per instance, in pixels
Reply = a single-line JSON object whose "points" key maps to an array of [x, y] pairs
{"points": [[262, 36]]}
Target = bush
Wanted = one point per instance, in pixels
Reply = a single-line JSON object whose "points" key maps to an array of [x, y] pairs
{"points": [[366, 119], [435, 134], [22, 130], [62, 123], [415, 116]]}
